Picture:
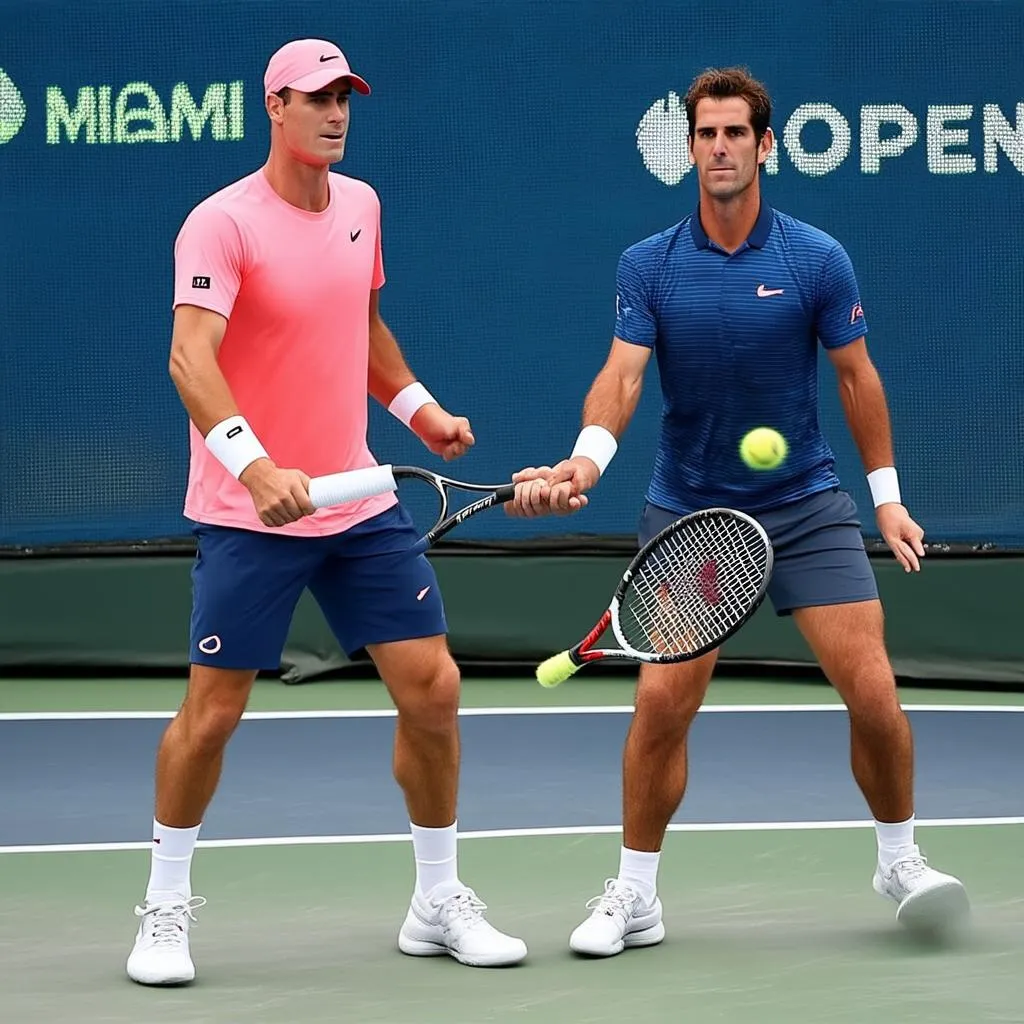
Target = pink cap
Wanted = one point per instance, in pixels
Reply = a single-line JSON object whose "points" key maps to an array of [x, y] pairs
{"points": [[308, 65]]}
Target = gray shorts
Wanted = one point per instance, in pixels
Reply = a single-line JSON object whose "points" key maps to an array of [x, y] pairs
{"points": [[819, 551]]}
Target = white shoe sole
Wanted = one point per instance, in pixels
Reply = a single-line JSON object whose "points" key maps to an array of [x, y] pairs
{"points": [[647, 937], [183, 977], [420, 947], [942, 906]]}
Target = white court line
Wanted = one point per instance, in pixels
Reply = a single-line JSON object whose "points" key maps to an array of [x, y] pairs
{"points": [[511, 833], [600, 709]]}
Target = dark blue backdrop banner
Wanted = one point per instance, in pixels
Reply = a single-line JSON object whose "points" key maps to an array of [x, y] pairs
{"points": [[518, 148]]}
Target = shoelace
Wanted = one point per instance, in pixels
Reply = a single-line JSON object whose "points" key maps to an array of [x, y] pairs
{"points": [[166, 929], [910, 869], [465, 907], [616, 898]]}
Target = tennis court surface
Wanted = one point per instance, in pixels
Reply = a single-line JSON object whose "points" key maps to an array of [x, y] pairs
{"points": [[305, 861]]}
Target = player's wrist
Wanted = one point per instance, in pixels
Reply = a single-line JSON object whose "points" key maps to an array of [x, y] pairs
{"points": [[885, 486], [596, 443], [589, 472], [234, 444], [409, 401], [258, 469]]}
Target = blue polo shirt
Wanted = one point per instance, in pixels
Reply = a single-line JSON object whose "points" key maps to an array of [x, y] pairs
{"points": [[735, 336]]}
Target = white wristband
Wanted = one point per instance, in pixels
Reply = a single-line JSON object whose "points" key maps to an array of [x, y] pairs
{"points": [[885, 486], [597, 444], [234, 445], [409, 401]]}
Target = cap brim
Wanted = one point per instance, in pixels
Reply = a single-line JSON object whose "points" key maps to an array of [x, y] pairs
{"points": [[320, 79]]}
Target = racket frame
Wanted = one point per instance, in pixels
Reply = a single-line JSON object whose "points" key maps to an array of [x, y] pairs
{"points": [[584, 653], [338, 488], [498, 494]]}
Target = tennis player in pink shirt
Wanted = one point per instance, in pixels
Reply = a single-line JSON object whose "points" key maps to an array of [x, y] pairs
{"points": [[277, 339]]}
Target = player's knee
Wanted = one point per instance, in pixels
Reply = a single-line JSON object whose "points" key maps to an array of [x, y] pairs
{"points": [[871, 698], [879, 713], [431, 702], [664, 711], [209, 722], [669, 696]]}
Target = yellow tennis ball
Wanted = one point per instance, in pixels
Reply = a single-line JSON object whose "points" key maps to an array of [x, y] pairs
{"points": [[555, 670], [763, 448]]}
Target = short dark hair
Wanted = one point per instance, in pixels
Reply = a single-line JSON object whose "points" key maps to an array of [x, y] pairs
{"points": [[724, 83], [285, 94]]}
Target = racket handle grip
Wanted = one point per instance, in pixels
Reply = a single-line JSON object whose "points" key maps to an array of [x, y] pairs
{"points": [[338, 488], [556, 669]]}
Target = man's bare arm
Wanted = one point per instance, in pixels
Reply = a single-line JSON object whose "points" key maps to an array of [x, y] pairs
{"points": [[204, 392], [388, 370], [279, 496], [614, 395]]}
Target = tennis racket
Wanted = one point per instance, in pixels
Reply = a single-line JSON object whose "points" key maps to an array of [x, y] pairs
{"points": [[684, 594], [338, 488]]}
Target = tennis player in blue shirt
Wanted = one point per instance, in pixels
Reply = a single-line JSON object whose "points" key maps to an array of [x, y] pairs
{"points": [[734, 301]]}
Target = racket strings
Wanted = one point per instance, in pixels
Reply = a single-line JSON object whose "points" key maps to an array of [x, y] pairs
{"points": [[694, 586]]}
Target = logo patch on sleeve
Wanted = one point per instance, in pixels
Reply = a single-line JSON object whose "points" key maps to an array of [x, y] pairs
{"points": [[204, 282], [857, 313]]}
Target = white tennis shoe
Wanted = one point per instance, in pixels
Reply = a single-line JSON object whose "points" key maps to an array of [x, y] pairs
{"points": [[453, 924], [927, 900], [619, 919], [161, 955]]}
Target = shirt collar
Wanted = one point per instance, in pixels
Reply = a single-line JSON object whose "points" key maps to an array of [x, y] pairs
{"points": [[757, 238]]}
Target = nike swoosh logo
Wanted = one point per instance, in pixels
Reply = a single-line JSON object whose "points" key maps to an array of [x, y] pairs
{"points": [[324, 59], [354, 235], [764, 293], [422, 594]]}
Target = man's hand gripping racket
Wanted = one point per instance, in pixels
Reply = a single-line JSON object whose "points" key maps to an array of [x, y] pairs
{"points": [[684, 594], [338, 488]]}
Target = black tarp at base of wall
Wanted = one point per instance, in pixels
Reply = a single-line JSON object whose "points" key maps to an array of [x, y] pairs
{"points": [[959, 620]]}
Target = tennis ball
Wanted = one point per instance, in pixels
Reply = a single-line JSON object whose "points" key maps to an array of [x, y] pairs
{"points": [[763, 448], [555, 670]]}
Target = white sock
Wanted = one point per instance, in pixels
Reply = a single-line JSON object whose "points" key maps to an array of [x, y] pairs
{"points": [[436, 852], [640, 870], [895, 840], [171, 865]]}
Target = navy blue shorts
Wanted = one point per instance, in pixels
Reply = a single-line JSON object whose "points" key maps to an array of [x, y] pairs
{"points": [[245, 586], [819, 551]]}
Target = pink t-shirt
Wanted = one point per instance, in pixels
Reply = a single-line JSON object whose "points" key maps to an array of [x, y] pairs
{"points": [[295, 289]]}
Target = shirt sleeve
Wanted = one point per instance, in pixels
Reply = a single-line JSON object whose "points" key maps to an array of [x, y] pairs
{"points": [[634, 316], [208, 261], [839, 316], [378, 256]]}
